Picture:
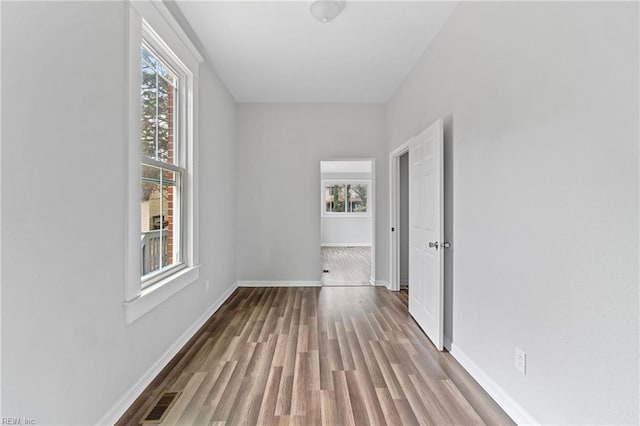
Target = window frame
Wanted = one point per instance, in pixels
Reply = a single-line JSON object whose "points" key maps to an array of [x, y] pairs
{"points": [[152, 42], [345, 182], [151, 23]]}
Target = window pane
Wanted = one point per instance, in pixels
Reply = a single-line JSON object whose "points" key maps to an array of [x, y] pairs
{"points": [[158, 97], [171, 216], [150, 236], [148, 123], [334, 196], [160, 219], [357, 198], [148, 57]]}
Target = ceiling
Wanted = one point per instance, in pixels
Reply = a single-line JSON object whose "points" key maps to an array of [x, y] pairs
{"points": [[275, 51]]}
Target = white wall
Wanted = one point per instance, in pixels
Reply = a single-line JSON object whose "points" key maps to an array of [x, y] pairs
{"points": [[541, 101], [280, 147], [339, 231], [68, 356], [346, 231]]}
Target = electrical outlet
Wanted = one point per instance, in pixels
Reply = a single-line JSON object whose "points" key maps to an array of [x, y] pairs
{"points": [[521, 360], [206, 286]]}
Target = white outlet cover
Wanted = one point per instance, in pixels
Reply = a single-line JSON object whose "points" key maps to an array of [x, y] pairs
{"points": [[520, 360]]}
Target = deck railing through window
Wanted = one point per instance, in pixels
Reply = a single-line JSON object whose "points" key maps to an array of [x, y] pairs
{"points": [[150, 246]]}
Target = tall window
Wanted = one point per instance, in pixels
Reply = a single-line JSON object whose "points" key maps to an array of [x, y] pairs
{"points": [[161, 253], [345, 198], [162, 171]]}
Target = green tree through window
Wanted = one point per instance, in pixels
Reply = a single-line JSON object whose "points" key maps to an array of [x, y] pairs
{"points": [[345, 198]]}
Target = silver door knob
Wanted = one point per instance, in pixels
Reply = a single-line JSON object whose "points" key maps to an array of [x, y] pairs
{"points": [[433, 244]]}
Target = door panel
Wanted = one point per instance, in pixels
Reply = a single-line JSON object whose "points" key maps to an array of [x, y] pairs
{"points": [[426, 290]]}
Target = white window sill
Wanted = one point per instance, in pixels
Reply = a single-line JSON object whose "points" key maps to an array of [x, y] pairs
{"points": [[154, 295], [345, 215]]}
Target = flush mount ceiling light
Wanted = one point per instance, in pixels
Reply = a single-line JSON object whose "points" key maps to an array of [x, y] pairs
{"points": [[326, 10]]}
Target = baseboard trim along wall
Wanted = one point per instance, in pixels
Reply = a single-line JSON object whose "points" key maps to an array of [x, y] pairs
{"points": [[512, 408], [346, 244], [295, 283], [279, 284], [382, 283], [112, 416]]}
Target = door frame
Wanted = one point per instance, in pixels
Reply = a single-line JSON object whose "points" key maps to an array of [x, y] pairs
{"points": [[372, 206], [394, 213]]}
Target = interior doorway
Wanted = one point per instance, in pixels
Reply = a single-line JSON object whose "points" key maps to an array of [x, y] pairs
{"points": [[347, 218], [403, 221]]}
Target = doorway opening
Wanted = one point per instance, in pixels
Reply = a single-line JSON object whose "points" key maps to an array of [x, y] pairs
{"points": [[403, 221], [347, 222], [399, 218]]}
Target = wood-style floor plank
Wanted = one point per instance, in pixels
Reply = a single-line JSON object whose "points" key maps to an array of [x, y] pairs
{"points": [[316, 356]]}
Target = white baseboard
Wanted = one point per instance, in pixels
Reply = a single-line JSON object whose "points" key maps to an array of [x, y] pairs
{"points": [[404, 282], [112, 416], [346, 244], [512, 408], [279, 284], [382, 283]]}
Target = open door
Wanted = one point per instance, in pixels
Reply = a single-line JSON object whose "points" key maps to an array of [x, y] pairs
{"points": [[426, 231]]}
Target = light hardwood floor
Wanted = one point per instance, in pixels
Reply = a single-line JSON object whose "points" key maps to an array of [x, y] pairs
{"points": [[346, 265], [312, 356]]}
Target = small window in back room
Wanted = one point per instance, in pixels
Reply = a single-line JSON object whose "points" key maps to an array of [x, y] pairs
{"points": [[345, 198]]}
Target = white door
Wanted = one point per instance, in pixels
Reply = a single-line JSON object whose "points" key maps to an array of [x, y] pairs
{"points": [[426, 289]]}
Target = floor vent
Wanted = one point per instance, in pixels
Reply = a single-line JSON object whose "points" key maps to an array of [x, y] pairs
{"points": [[159, 410]]}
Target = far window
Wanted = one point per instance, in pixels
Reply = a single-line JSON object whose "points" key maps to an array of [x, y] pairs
{"points": [[345, 198]]}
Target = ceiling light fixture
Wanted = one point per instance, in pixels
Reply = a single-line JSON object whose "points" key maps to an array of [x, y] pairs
{"points": [[326, 10]]}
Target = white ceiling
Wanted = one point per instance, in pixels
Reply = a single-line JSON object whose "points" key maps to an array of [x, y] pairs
{"points": [[345, 166], [274, 51]]}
